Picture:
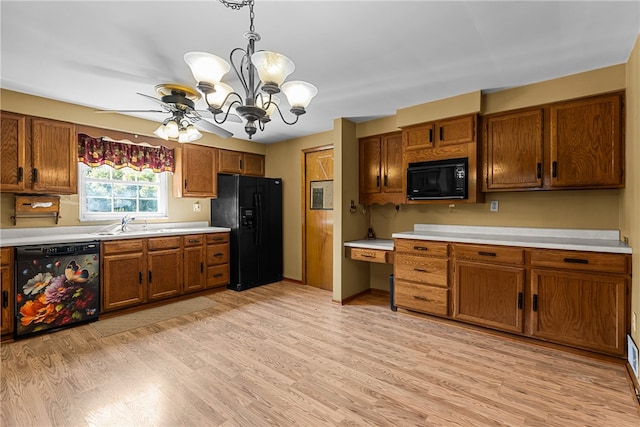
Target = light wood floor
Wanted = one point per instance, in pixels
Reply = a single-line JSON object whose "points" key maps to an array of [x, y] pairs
{"points": [[283, 354]]}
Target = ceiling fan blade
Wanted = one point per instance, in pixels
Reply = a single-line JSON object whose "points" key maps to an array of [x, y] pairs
{"points": [[210, 127], [168, 107], [130, 111], [231, 118]]}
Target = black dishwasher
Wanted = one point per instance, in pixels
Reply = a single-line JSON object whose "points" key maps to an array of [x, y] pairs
{"points": [[57, 286]]}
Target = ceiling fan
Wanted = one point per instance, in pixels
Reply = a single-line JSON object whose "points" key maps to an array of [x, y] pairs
{"points": [[179, 101]]}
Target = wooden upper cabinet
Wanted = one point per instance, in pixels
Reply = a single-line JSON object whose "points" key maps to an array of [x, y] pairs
{"points": [[38, 155], [236, 162], [587, 148], [12, 152], [381, 174], [455, 130], [196, 174], [512, 147], [54, 153]]}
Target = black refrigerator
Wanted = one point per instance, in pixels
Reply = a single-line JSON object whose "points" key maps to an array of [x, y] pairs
{"points": [[252, 207]]}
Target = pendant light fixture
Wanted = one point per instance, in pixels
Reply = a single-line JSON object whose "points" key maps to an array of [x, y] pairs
{"points": [[262, 75]]}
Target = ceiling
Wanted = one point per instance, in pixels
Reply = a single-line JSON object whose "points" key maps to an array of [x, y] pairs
{"points": [[367, 58]]}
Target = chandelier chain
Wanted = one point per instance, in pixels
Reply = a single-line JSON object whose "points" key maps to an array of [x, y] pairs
{"points": [[237, 5]]}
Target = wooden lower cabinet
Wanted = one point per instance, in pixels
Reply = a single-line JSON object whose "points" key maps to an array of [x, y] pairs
{"points": [[164, 274], [578, 309], [6, 287], [194, 263], [124, 278], [217, 259]]}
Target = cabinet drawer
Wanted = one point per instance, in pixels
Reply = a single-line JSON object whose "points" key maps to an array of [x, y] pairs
{"points": [[422, 269], [119, 246], [6, 256], [428, 299], [497, 254], [217, 254], [218, 275], [193, 239], [372, 255], [157, 243], [583, 261], [422, 247], [215, 238]]}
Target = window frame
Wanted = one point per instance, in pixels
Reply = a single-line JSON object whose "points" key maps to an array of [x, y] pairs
{"points": [[86, 216]]}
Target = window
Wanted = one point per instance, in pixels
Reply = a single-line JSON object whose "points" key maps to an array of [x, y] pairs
{"points": [[107, 193]]}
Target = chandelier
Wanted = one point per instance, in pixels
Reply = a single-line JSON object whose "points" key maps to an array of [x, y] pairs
{"points": [[262, 75]]}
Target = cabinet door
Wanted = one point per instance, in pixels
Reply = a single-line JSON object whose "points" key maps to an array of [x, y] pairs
{"points": [[586, 143], [199, 171], [6, 287], [513, 146], [418, 136], [229, 161], [489, 295], [12, 152], [459, 130], [123, 280], [253, 164], [194, 268], [580, 310], [370, 149], [164, 275], [392, 163], [54, 153]]}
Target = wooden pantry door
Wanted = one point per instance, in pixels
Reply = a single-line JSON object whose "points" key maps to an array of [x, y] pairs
{"points": [[317, 219]]}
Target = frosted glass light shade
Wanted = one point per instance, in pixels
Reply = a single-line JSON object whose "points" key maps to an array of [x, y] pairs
{"points": [[161, 132], [193, 133], [272, 67], [299, 93], [216, 98], [172, 129], [206, 67], [263, 99]]}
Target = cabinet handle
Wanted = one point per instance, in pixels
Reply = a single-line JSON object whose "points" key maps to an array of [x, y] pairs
{"points": [[5, 299], [420, 248], [201, 268], [185, 184], [240, 164], [378, 181], [554, 169], [150, 275], [482, 253], [520, 300], [430, 135], [421, 270], [421, 298], [194, 240], [218, 254], [218, 239], [576, 260], [20, 174], [218, 275], [440, 133], [385, 180], [539, 170], [140, 278], [35, 174], [535, 302]]}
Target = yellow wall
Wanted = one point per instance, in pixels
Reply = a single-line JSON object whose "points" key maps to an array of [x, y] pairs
{"points": [[180, 209], [630, 195]]}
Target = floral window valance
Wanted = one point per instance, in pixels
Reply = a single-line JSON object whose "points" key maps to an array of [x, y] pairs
{"points": [[102, 151]]}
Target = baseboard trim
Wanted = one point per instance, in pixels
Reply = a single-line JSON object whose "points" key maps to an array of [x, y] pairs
{"points": [[633, 385], [297, 282]]}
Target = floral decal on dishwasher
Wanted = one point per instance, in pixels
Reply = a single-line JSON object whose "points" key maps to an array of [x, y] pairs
{"points": [[57, 293]]}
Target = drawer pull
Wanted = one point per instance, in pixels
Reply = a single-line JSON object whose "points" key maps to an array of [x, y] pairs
{"points": [[218, 275], [367, 254], [421, 248], [421, 270], [218, 254], [218, 239], [5, 299], [520, 300], [194, 240], [482, 253], [535, 302], [576, 260], [421, 298]]}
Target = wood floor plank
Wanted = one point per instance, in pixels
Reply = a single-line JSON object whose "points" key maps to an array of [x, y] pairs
{"points": [[284, 354]]}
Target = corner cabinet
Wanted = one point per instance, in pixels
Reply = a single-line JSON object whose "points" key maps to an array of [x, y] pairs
{"points": [[380, 160], [576, 144], [196, 172], [237, 162], [38, 155]]}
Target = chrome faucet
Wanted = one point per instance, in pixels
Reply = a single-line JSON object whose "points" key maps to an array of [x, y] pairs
{"points": [[125, 222]]}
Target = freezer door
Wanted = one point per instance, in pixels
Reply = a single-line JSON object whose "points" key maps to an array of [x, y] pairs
{"points": [[270, 229]]}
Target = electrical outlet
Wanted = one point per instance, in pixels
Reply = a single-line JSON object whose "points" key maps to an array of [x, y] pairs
{"points": [[625, 239], [634, 321], [494, 206], [196, 207]]}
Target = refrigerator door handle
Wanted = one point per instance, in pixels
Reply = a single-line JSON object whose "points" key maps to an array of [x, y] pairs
{"points": [[259, 219]]}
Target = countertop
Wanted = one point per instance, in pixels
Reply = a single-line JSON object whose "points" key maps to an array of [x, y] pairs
{"points": [[381, 244], [546, 238], [55, 235]]}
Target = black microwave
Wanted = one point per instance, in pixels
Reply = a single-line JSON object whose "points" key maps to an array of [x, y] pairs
{"points": [[436, 180]]}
